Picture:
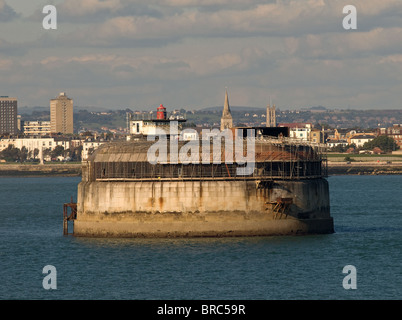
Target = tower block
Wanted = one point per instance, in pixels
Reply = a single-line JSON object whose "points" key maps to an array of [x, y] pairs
{"points": [[271, 116]]}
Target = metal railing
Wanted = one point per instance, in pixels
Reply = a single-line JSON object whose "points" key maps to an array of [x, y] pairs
{"points": [[263, 170], [273, 158]]}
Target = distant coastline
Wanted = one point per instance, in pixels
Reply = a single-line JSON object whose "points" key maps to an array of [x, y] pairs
{"points": [[27, 170], [67, 169], [364, 168]]}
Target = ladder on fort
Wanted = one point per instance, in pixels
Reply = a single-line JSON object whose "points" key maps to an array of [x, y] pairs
{"points": [[69, 214]]}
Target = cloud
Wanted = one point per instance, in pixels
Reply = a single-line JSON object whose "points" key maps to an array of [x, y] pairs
{"points": [[133, 23], [6, 64], [341, 46], [261, 19], [87, 11], [85, 7], [187, 51], [12, 49], [6, 12]]}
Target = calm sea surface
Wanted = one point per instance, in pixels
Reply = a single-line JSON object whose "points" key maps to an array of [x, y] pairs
{"points": [[367, 212]]}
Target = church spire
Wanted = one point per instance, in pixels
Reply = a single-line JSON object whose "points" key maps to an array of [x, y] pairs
{"points": [[226, 120], [226, 109]]}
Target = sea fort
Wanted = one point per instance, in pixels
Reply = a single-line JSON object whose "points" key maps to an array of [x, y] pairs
{"points": [[167, 187], [122, 194]]}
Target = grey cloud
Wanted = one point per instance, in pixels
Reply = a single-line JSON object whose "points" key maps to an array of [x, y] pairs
{"points": [[187, 51], [157, 23], [6, 12], [172, 65], [12, 49], [76, 11]]}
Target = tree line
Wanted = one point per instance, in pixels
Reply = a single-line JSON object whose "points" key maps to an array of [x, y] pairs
{"points": [[14, 154]]}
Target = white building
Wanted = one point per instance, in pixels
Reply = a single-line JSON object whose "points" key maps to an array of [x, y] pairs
{"points": [[300, 131], [152, 127], [360, 139], [90, 145], [36, 128], [189, 134], [331, 143], [34, 143]]}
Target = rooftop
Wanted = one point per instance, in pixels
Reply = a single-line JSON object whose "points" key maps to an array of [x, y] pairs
{"points": [[146, 160], [141, 150]]}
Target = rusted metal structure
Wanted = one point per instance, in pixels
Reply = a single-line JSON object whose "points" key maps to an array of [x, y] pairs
{"points": [[69, 214], [274, 159], [281, 207]]}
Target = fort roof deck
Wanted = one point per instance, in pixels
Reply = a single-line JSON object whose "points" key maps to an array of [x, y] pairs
{"points": [[272, 159]]}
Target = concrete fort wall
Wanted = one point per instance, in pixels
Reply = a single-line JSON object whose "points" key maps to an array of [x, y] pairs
{"points": [[201, 208]]}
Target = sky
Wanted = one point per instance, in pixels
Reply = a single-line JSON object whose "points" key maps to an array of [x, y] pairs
{"points": [[117, 54]]}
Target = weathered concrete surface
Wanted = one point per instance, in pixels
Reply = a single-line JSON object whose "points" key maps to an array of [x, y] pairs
{"points": [[201, 208], [223, 228]]}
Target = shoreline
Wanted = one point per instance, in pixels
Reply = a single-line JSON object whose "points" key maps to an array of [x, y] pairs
{"points": [[34, 170], [364, 168], [75, 170]]}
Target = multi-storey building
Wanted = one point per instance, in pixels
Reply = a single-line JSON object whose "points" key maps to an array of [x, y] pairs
{"points": [[8, 115], [394, 132], [317, 136], [36, 128], [61, 114]]}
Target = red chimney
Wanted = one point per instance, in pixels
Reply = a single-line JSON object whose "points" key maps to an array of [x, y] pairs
{"points": [[161, 113]]}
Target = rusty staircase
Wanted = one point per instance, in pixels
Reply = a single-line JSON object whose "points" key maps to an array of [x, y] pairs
{"points": [[69, 214]]}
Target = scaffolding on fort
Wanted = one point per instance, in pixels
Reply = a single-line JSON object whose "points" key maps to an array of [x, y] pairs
{"points": [[274, 158]]}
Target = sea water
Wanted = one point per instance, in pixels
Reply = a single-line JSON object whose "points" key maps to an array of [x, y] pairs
{"points": [[367, 216]]}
